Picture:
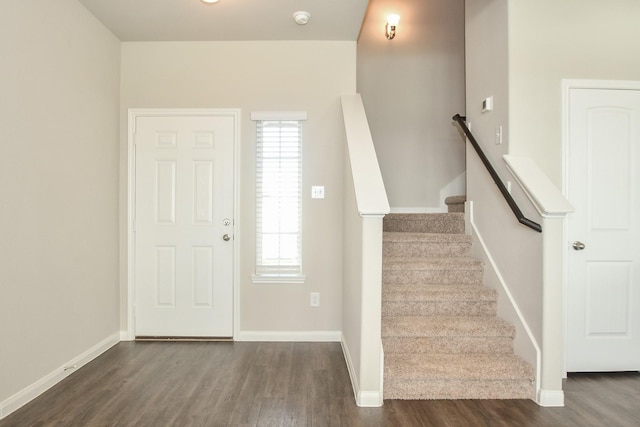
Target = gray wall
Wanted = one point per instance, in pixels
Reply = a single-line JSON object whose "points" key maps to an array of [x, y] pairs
{"points": [[411, 87], [58, 186]]}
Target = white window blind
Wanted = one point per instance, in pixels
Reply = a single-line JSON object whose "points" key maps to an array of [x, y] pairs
{"points": [[279, 198]]}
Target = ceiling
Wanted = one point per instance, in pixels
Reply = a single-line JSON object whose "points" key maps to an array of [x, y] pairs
{"points": [[193, 20]]}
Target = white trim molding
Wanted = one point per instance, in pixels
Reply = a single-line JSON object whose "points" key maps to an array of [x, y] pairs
{"points": [[34, 390], [133, 114], [364, 398], [261, 278], [550, 398], [290, 336], [567, 86], [278, 115]]}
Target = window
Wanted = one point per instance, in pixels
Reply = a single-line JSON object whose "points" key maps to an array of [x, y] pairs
{"points": [[278, 197]]}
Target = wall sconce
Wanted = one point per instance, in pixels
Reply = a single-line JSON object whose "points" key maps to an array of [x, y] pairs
{"points": [[390, 27]]}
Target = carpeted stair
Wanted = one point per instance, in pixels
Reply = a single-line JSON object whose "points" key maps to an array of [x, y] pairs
{"points": [[441, 336], [455, 203]]}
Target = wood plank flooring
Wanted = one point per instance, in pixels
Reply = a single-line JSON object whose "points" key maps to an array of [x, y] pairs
{"points": [[287, 384]]}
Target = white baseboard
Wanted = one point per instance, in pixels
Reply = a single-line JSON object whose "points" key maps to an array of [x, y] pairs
{"points": [[290, 336], [126, 336], [369, 399], [409, 210], [364, 399], [550, 398], [34, 390], [352, 374]]}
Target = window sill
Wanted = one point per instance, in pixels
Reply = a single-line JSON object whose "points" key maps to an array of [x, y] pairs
{"points": [[265, 278]]}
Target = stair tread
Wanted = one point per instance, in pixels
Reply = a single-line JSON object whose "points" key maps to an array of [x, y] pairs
{"points": [[464, 366], [438, 326], [422, 292], [406, 237], [455, 199]]}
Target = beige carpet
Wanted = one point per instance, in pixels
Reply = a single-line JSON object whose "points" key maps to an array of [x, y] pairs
{"points": [[441, 336]]}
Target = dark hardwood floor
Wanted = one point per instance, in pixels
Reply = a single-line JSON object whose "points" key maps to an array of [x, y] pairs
{"points": [[286, 384]]}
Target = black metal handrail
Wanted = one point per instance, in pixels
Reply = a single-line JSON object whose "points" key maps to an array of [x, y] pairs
{"points": [[505, 193]]}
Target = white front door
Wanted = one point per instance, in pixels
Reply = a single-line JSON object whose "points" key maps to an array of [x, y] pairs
{"points": [[184, 198], [603, 292]]}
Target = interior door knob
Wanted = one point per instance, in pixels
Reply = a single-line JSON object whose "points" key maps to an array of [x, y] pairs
{"points": [[578, 246], [226, 237]]}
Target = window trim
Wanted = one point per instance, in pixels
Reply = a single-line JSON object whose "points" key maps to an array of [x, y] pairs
{"points": [[280, 277]]}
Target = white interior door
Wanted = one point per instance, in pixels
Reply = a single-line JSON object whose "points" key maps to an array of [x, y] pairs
{"points": [[183, 209], [603, 292]]}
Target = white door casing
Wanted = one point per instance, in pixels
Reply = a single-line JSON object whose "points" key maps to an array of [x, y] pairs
{"points": [[603, 282], [182, 179]]}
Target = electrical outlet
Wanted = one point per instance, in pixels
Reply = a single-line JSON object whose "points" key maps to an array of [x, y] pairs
{"points": [[315, 299]]}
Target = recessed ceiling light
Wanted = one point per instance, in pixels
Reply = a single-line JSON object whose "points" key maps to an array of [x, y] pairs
{"points": [[209, 1]]}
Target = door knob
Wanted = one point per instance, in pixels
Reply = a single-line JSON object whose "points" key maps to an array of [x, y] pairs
{"points": [[578, 246], [226, 237]]}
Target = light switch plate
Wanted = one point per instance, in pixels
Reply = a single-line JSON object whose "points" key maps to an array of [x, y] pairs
{"points": [[317, 192], [487, 104]]}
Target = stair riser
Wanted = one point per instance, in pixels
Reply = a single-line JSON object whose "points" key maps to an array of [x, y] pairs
{"points": [[455, 207], [453, 389], [461, 277], [426, 226], [454, 345], [438, 308], [426, 249]]}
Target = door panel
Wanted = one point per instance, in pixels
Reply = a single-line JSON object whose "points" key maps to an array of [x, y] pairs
{"points": [[603, 294], [184, 193]]}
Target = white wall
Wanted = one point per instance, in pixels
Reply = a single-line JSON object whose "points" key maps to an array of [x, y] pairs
{"points": [[551, 40], [411, 87], [259, 76], [58, 187]]}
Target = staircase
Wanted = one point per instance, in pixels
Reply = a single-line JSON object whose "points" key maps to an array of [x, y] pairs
{"points": [[441, 336]]}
